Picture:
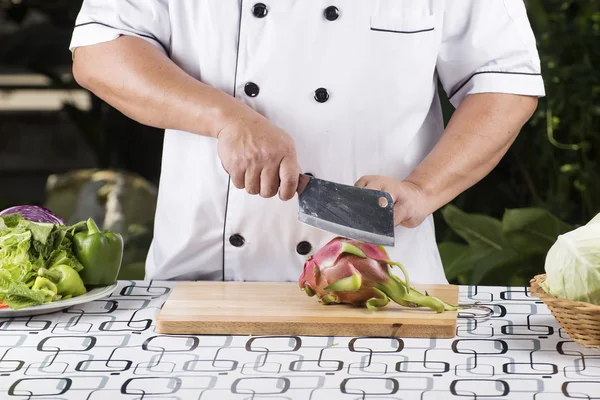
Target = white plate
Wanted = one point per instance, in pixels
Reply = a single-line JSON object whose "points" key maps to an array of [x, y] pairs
{"points": [[94, 294]]}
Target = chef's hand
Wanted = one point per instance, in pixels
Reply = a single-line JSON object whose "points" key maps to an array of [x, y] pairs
{"points": [[410, 204], [258, 155]]}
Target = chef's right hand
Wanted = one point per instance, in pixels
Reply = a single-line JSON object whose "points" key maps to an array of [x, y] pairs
{"points": [[259, 156]]}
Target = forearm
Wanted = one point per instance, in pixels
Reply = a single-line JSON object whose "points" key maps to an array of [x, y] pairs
{"points": [[141, 82], [478, 135]]}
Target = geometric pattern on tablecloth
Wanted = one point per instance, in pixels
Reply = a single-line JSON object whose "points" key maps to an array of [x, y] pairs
{"points": [[108, 349]]}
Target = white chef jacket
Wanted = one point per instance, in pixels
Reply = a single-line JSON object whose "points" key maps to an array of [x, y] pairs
{"points": [[354, 82]]}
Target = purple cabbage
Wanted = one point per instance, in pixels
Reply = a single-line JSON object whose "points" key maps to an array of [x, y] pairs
{"points": [[34, 214]]}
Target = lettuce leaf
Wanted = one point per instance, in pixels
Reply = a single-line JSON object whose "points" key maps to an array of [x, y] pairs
{"points": [[12, 237], [50, 243], [40, 231], [63, 255], [18, 296], [15, 257], [27, 246], [11, 220], [5, 279]]}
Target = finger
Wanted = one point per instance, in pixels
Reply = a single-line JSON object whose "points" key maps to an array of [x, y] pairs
{"points": [[367, 182], [289, 173], [269, 181], [410, 223], [376, 186], [237, 177], [362, 182], [399, 215], [252, 179], [394, 196]]}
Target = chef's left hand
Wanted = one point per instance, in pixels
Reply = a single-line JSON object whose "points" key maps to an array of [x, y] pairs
{"points": [[410, 203]]}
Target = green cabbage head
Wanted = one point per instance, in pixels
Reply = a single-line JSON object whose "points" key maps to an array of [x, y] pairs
{"points": [[573, 264]]}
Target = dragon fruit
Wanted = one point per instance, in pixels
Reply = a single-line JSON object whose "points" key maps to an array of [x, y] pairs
{"points": [[357, 273]]}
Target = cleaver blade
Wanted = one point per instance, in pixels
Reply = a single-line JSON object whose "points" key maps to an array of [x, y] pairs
{"points": [[365, 215]]}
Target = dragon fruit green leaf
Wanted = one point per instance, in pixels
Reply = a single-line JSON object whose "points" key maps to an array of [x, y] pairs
{"points": [[376, 303]]}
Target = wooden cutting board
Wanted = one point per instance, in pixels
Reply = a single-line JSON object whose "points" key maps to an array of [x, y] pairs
{"points": [[281, 308]]}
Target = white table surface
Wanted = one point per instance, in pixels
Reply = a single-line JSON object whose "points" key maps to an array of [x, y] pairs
{"points": [[108, 349]]}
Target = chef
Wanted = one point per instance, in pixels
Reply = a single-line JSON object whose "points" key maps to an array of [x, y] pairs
{"points": [[251, 94]]}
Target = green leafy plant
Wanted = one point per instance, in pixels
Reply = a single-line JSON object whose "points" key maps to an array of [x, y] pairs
{"points": [[494, 251], [554, 164]]}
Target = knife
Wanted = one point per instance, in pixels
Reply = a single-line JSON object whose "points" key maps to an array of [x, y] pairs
{"points": [[362, 214]]}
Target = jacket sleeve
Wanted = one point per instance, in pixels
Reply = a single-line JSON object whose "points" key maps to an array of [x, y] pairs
{"points": [[488, 46], [104, 20]]}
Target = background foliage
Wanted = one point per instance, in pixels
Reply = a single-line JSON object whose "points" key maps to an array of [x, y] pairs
{"points": [[495, 233]]}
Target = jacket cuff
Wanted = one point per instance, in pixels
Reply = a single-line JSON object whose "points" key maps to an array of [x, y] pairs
{"points": [[90, 33], [523, 83]]}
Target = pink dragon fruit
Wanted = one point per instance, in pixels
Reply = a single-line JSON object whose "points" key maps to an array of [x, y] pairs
{"points": [[352, 272]]}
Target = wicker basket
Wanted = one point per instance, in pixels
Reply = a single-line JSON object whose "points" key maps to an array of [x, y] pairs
{"points": [[580, 320]]}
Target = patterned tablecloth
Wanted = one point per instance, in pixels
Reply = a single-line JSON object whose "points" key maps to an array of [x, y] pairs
{"points": [[108, 349]]}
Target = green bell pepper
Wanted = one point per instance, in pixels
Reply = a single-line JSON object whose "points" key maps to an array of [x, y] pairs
{"points": [[47, 287], [67, 280], [100, 253]]}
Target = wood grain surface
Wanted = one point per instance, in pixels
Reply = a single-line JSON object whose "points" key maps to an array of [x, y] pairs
{"points": [[281, 308]]}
